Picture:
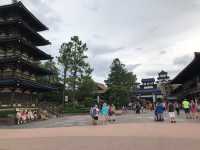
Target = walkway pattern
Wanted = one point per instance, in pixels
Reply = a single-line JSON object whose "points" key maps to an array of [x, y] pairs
{"points": [[130, 132]]}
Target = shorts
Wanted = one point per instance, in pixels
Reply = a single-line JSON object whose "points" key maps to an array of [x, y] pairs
{"points": [[95, 118], [171, 114], [187, 111]]}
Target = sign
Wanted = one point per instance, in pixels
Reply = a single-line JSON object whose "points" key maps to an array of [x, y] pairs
{"points": [[66, 99]]}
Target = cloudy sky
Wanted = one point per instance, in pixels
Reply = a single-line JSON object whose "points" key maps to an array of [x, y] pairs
{"points": [[147, 35]]}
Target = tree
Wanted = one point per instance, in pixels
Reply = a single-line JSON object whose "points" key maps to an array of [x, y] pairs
{"points": [[120, 82], [53, 79], [73, 60], [86, 88], [51, 66], [64, 61], [78, 65]]}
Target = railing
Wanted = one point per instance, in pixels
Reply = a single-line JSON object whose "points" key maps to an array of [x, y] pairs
{"points": [[16, 75], [20, 56]]}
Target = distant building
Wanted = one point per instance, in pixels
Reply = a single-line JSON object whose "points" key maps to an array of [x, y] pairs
{"points": [[101, 88], [164, 83], [148, 90], [163, 77]]}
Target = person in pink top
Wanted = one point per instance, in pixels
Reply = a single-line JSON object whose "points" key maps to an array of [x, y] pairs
{"points": [[193, 108]]}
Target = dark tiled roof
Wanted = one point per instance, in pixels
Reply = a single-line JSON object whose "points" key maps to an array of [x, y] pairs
{"points": [[189, 71], [25, 13], [26, 83]]}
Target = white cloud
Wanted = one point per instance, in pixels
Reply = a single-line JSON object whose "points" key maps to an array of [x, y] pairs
{"points": [[151, 33]]}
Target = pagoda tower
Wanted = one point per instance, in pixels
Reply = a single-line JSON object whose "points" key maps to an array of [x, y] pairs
{"points": [[163, 77], [20, 57]]}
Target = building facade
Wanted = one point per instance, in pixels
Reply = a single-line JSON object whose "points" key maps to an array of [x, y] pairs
{"points": [[20, 57], [188, 80], [148, 90]]}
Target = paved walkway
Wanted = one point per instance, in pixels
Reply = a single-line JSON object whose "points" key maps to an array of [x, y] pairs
{"points": [[139, 136], [130, 132], [85, 120]]}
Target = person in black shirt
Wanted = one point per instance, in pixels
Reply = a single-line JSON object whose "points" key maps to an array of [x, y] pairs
{"points": [[171, 110]]}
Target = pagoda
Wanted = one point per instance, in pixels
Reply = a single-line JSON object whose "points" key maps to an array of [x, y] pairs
{"points": [[163, 77], [20, 57]]}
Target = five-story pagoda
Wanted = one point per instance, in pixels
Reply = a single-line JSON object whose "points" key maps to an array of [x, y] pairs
{"points": [[20, 57]]}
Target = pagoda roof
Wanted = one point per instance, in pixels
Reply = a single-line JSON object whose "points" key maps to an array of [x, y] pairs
{"points": [[34, 37], [148, 80], [162, 72], [148, 91], [189, 71], [14, 82], [17, 61], [23, 45], [25, 14]]}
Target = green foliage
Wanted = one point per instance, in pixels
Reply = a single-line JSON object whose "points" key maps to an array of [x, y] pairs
{"points": [[89, 101], [86, 88], [120, 82], [75, 109], [75, 68], [5, 114], [54, 80]]}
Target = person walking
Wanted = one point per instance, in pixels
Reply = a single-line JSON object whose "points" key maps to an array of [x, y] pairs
{"points": [[193, 110], [186, 107], [138, 108], [198, 109], [94, 112], [177, 107], [111, 113], [104, 113], [171, 111]]}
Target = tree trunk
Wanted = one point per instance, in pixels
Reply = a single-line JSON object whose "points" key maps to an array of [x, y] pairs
{"points": [[64, 84], [74, 87]]}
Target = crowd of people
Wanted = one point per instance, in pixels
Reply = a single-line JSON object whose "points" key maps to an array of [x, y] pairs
{"points": [[191, 109], [103, 113], [162, 110], [25, 116]]}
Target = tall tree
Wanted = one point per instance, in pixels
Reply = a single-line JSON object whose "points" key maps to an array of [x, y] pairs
{"points": [[78, 65], [73, 59], [120, 82], [64, 60]]}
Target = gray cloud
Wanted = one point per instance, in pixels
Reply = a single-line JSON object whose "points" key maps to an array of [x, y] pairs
{"points": [[100, 49], [182, 60], [132, 67], [163, 52], [136, 31]]}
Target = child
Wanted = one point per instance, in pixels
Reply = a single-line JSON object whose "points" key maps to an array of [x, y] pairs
{"points": [[94, 112], [171, 111]]}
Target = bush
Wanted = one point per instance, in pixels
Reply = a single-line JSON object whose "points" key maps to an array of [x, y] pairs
{"points": [[88, 102], [5, 114], [75, 109]]}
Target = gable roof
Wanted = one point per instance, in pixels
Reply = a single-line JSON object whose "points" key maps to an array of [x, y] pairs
{"points": [[189, 71]]}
